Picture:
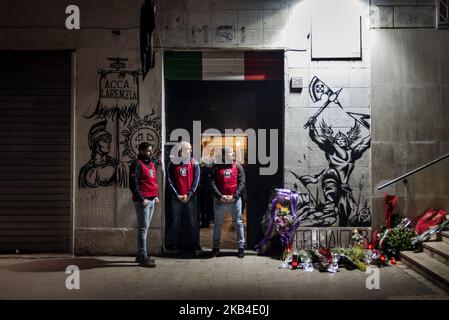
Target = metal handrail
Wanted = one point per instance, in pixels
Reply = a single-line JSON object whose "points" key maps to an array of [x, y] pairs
{"points": [[413, 172]]}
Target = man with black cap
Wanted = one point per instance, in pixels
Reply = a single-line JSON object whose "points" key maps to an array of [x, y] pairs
{"points": [[227, 180], [145, 190]]}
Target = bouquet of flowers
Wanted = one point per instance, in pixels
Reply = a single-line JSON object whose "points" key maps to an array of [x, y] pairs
{"points": [[282, 220]]}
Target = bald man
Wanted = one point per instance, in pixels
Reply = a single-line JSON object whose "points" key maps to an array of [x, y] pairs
{"points": [[183, 176]]}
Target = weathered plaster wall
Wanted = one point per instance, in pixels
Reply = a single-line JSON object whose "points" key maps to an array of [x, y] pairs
{"points": [[303, 156], [228, 24], [409, 84], [104, 217], [410, 103], [262, 24], [403, 14]]}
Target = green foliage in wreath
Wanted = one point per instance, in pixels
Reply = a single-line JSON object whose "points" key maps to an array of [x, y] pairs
{"points": [[357, 255], [397, 241]]}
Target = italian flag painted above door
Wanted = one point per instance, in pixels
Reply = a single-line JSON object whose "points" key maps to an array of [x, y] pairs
{"points": [[224, 66]]}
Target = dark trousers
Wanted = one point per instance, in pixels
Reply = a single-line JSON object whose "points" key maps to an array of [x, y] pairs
{"points": [[206, 206], [183, 216]]}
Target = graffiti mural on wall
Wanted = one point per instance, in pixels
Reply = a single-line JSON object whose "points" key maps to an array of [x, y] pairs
{"points": [[118, 92], [200, 34], [118, 99], [148, 130], [308, 238], [332, 202], [225, 34], [102, 170]]}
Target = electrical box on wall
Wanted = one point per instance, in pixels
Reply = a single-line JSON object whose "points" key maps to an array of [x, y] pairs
{"points": [[296, 84]]}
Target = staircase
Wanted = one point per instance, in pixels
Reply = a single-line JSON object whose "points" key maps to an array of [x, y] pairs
{"points": [[433, 262]]}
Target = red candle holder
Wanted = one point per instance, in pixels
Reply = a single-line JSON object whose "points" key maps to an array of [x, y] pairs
{"points": [[295, 261]]}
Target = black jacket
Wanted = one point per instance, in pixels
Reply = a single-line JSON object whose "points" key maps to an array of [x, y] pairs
{"points": [[134, 175], [240, 181]]}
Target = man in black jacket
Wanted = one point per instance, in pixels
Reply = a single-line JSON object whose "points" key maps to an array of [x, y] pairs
{"points": [[227, 182], [183, 174], [144, 189]]}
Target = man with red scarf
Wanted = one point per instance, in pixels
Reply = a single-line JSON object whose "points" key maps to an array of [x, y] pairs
{"points": [[227, 183], [183, 174]]}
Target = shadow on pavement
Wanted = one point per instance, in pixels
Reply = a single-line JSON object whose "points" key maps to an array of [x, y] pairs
{"points": [[57, 265]]}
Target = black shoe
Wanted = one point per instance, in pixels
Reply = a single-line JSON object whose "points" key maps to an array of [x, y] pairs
{"points": [[138, 259], [241, 253], [198, 252], [145, 262], [204, 226], [215, 252], [172, 251]]}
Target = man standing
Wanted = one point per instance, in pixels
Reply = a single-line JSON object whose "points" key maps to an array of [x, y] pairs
{"points": [[144, 189], [183, 177], [227, 183]]}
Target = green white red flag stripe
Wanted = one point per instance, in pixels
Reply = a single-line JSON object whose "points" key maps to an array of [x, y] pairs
{"points": [[224, 65]]}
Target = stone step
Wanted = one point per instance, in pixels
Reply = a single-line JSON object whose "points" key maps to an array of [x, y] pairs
{"points": [[438, 250], [432, 269], [445, 235]]}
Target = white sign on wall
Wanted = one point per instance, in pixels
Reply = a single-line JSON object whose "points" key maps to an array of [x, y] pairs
{"points": [[336, 33]]}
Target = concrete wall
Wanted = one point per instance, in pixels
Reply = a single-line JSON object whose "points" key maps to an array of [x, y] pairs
{"points": [[303, 156], [104, 217], [403, 13], [228, 24], [263, 24], [401, 73], [410, 107]]}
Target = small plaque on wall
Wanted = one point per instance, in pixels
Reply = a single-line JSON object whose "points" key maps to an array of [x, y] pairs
{"points": [[296, 84]]}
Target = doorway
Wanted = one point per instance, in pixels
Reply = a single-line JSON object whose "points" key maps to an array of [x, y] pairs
{"points": [[35, 157], [231, 105]]}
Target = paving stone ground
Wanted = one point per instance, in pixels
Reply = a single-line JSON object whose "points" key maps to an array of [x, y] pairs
{"points": [[224, 277]]}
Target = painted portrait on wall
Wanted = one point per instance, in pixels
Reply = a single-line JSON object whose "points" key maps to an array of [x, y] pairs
{"points": [[102, 170]]}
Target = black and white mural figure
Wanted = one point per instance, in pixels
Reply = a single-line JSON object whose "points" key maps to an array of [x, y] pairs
{"points": [[148, 130], [341, 154], [118, 93], [102, 170], [334, 204]]}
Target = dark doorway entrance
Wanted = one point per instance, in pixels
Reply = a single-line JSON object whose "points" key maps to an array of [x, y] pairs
{"points": [[231, 105]]}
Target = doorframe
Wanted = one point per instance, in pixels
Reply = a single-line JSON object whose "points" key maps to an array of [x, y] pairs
{"points": [[281, 149], [73, 141]]}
